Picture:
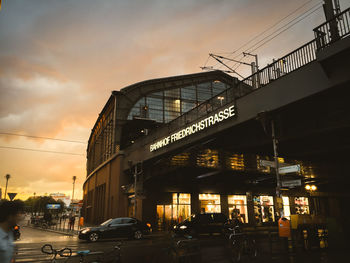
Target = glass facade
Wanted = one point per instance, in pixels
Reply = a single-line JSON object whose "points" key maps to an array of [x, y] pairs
{"points": [[181, 206], [301, 205], [238, 202], [286, 207], [164, 106], [263, 209], [262, 206], [210, 203]]}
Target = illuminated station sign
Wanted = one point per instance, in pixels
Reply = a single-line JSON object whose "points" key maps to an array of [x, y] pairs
{"points": [[195, 127]]}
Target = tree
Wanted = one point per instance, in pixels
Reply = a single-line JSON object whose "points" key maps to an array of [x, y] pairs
{"points": [[38, 204]]}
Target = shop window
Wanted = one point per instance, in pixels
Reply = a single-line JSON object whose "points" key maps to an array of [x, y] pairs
{"points": [[164, 217], [181, 206], [238, 202], [210, 203], [286, 207], [263, 209], [301, 205]]}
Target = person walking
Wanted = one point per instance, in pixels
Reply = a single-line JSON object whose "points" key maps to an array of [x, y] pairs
{"points": [[10, 215], [71, 222]]}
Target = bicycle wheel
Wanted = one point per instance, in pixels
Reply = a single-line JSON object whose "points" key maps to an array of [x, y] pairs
{"points": [[235, 251], [252, 248]]}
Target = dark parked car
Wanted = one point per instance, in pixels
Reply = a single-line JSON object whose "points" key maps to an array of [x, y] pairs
{"points": [[115, 228], [201, 224]]}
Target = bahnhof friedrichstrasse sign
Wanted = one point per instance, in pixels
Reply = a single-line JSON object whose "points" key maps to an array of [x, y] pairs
{"points": [[195, 127]]}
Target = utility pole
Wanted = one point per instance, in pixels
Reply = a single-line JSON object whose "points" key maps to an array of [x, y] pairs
{"points": [[265, 120], [330, 13], [7, 180], [136, 174], [74, 178], [275, 155], [255, 69]]}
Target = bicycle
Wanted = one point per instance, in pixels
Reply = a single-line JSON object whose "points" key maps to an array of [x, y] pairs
{"points": [[64, 252], [240, 244], [111, 257], [179, 251]]}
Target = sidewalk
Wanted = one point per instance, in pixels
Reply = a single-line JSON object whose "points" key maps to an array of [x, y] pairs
{"points": [[62, 227]]}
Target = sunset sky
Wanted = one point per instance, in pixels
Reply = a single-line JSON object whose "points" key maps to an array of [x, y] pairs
{"points": [[60, 60]]}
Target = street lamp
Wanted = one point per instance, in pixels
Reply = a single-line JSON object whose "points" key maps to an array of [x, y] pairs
{"points": [[221, 98], [310, 189], [7, 180], [74, 178]]}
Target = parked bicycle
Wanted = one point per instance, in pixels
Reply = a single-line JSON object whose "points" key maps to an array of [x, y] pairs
{"points": [[64, 252], [239, 244], [83, 256], [179, 251]]}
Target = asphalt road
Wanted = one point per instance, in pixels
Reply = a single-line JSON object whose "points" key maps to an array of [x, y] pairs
{"points": [[151, 249]]}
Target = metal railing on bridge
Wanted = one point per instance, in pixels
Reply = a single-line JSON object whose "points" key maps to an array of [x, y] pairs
{"points": [[333, 30], [280, 67]]}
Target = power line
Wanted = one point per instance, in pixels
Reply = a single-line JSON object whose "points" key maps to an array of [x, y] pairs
{"points": [[300, 17], [279, 21], [286, 29], [274, 30], [36, 150], [292, 24], [39, 137]]}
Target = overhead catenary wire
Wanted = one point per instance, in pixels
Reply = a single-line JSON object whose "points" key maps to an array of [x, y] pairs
{"points": [[40, 137], [37, 150], [272, 26], [285, 29], [279, 31]]}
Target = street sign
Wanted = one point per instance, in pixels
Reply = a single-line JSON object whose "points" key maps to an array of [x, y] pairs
{"points": [[267, 163], [289, 169], [53, 206], [12, 195], [272, 163], [291, 183]]}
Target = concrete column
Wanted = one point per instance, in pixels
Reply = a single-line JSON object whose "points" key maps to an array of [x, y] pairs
{"points": [[224, 204], [250, 208], [195, 209]]}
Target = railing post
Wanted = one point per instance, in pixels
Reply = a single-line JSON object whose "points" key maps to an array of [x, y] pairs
{"points": [[320, 39]]}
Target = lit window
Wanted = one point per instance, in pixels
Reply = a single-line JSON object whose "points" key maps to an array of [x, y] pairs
{"points": [[236, 162], [208, 158], [301, 205], [181, 206], [238, 202], [210, 203], [263, 209], [286, 207]]}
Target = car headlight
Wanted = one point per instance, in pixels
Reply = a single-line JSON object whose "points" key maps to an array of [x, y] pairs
{"points": [[84, 231], [183, 227]]}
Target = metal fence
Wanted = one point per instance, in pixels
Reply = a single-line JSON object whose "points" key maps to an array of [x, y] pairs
{"points": [[333, 30], [287, 64], [279, 68]]}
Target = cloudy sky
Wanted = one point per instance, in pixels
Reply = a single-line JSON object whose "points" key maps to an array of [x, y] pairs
{"points": [[60, 60]]}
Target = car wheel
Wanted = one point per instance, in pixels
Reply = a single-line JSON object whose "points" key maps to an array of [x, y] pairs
{"points": [[138, 234], [93, 237]]}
